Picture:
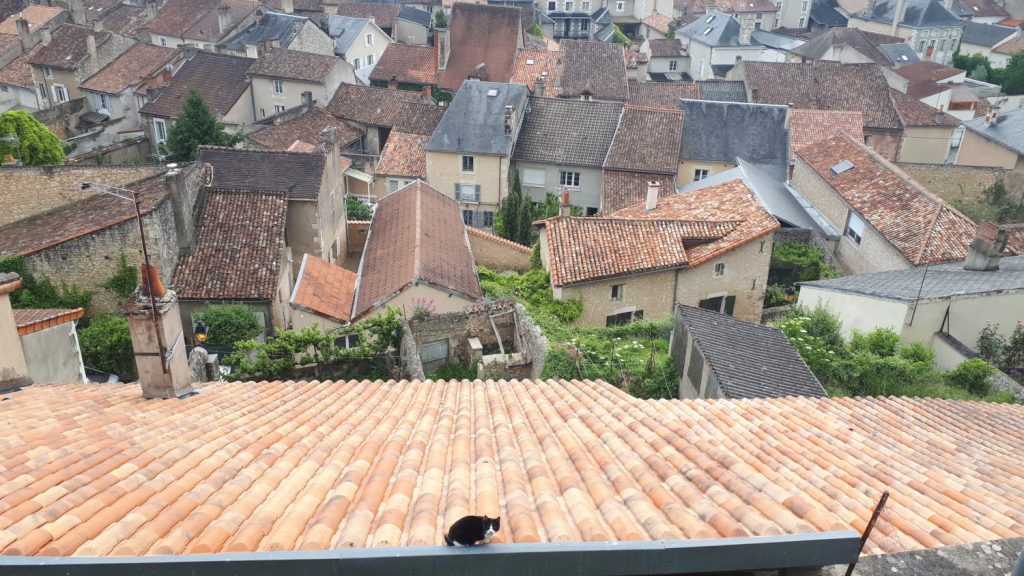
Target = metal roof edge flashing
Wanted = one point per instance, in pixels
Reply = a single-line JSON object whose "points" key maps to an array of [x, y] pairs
{"points": [[598, 558]]}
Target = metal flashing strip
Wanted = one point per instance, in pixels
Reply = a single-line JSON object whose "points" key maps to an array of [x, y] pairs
{"points": [[635, 558]]}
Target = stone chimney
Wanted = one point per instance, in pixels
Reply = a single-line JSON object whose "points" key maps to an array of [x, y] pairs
{"points": [[442, 48], [159, 344], [307, 100], [223, 18], [90, 45], [97, 26], [45, 36], [330, 144], [13, 369], [166, 74], [152, 10], [539, 86], [288, 6], [183, 185], [986, 248], [653, 190], [77, 8], [24, 34], [565, 208]]}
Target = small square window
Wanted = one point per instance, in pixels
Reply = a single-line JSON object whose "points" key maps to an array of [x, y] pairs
{"points": [[552, 6], [468, 164], [855, 228], [617, 291], [163, 41], [700, 174], [568, 6], [620, 6], [585, 6], [719, 269], [673, 65], [278, 108]]}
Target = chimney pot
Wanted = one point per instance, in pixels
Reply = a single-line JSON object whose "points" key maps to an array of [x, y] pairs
{"points": [[565, 209], [158, 342], [986, 248], [90, 46], [653, 191], [539, 86]]}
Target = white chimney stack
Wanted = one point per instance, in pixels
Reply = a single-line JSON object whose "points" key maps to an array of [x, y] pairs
{"points": [[653, 190]]}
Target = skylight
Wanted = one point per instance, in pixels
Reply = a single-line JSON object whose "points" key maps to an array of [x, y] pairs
{"points": [[707, 30], [529, 61], [842, 167], [492, 92], [709, 19]]}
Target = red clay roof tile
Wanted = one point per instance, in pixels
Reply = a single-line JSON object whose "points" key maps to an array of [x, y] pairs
{"points": [[324, 288]]}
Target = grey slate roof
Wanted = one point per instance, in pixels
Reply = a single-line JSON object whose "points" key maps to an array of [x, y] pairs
{"points": [[296, 173], [749, 360], [899, 54], [475, 122], [724, 131], [985, 34], [722, 90], [917, 14], [414, 15], [606, 34], [567, 132], [345, 30], [1008, 130], [786, 204], [942, 281], [826, 13], [714, 29], [272, 26], [774, 40]]}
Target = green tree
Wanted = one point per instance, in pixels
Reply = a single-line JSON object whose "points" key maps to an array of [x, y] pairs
{"points": [[195, 126], [1013, 77], [29, 140], [440, 19], [979, 73], [107, 345], [621, 38], [227, 324], [671, 34], [537, 30], [510, 214], [357, 209]]}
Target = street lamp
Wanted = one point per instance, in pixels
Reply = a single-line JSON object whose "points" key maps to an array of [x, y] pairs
{"points": [[146, 279], [200, 332]]}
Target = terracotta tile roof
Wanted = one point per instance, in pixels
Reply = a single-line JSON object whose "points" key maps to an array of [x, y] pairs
{"points": [[913, 112], [567, 132], [811, 126], [1011, 22], [236, 258], [416, 236], [321, 465], [31, 320], [920, 225], [370, 106], [622, 189], [325, 289], [822, 85], [418, 118], [470, 46], [197, 19], [404, 155], [383, 14], [67, 48], [542, 61], [683, 230], [495, 238], [926, 71], [648, 140], [219, 78], [299, 174], [406, 63], [137, 64], [659, 22], [294, 64], [1011, 47], [667, 48], [307, 128], [36, 14], [125, 19], [661, 94], [594, 68], [18, 72], [78, 219]]}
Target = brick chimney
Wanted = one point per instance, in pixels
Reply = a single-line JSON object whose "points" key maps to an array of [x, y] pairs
{"points": [[565, 209], [152, 330], [653, 190], [24, 34], [223, 18], [77, 8], [986, 248], [427, 94], [13, 370], [393, 82]]}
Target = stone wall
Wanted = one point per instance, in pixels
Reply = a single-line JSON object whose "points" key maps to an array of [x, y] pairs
{"points": [[62, 118], [952, 182], [131, 150], [31, 190], [497, 253], [357, 231], [784, 235]]}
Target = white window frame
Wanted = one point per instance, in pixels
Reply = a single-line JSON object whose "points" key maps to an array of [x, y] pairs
{"points": [[618, 292], [163, 41], [569, 178], [700, 174], [160, 130], [102, 102], [620, 6], [854, 228], [568, 5], [585, 6], [278, 108], [803, 22], [355, 63], [461, 196], [472, 164], [278, 87], [369, 39], [47, 72], [673, 65], [552, 6], [63, 91]]}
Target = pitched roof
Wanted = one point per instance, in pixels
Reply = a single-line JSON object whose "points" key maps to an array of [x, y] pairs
{"points": [[715, 29], [661, 94], [683, 230], [238, 249], [417, 118], [722, 90], [416, 236], [368, 105], [31, 320], [594, 68], [811, 126], [916, 13], [647, 140], [130, 69], [913, 112], [827, 13], [383, 14], [724, 131], [219, 78], [927, 71], [345, 30], [306, 128], [821, 85], [533, 64], [68, 47], [406, 63], [985, 34], [414, 15], [125, 19], [749, 360], [404, 155], [666, 48], [272, 26], [18, 72], [920, 225], [480, 233], [198, 19], [852, 37], [496, 48], [1011, 47], [36, 14], [475, 121], [899, 53], [567, 132], [1007, 131], [324, 288], [622, 189], [294, 65], [298, 174]]}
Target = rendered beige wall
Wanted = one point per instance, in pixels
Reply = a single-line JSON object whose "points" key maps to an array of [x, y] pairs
{"points": [[443, 301], [684, 175], [444, 170], [52, 354], [976, 150], [290, 97], [926, 145], [856, 312], [12, 357], [497, 256]]}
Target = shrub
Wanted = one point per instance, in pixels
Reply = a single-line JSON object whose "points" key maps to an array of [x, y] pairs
{"points": [[880, 342], [227, 324], [107, 345], [1013, 354], [356, 209], [991, 343], [917, 352], [807, 259], [774, 295], [972, 375], [449, 371], [41, 292], [125, 280]]}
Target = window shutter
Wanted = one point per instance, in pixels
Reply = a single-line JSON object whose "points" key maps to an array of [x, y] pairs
{"points": [[458, 195], [730, 303], [477, 188]]}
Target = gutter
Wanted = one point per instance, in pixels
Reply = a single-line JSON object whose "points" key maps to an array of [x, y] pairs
{"points": [[636, 558]]}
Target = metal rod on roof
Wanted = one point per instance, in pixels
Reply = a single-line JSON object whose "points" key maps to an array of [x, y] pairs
{"points": [[867, 531]]}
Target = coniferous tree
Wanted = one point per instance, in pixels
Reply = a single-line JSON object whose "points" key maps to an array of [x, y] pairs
{"points": [[509, 213], [195, 126]]}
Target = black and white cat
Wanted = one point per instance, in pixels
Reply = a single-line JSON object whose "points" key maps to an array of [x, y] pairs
{"points": [[469, 530]]}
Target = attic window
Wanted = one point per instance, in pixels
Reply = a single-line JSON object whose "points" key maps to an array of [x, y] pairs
{"points": [[707, 30], [529, 61], [709, 19], [842, 167], [492, 92]]}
